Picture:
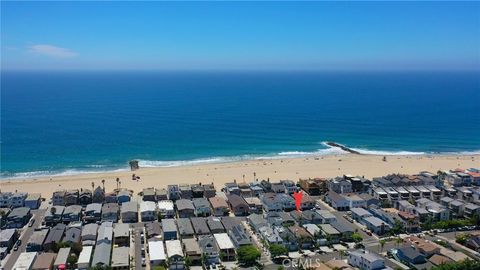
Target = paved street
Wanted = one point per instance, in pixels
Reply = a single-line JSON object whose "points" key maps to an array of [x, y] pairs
{"points": [[25, 236], [137, 229]]}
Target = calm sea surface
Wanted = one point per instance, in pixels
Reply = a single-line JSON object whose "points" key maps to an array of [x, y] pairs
{"points": [[66, 122]]}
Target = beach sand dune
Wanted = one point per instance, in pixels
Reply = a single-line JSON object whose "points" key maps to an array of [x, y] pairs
{"points": [[220, 173]]}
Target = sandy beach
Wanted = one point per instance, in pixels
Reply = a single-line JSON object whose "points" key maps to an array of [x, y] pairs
{"points": [[275, 169]]}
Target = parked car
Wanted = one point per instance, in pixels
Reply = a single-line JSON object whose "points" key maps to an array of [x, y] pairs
{"points": [[17, 245], [31, 222]]}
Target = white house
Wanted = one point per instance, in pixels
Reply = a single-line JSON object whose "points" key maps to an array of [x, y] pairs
{"points": [[365, 261]]}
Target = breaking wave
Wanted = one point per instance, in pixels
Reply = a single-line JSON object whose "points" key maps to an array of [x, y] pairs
{"points": [[325, 151]]}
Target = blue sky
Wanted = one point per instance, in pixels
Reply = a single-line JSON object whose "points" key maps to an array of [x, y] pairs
{"points": [[241, 35]]}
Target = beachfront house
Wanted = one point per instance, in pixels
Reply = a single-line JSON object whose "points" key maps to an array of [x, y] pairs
{"points": [[209, 190], [232, 188], [314, 186], [149, 195], [33, 201], [161, 195], [197, 190], [58, 197], [173, 192], [98, 195], [18, 199], [124, 196], [85, 197], [71, 197], [340, 185], [185, 191]]}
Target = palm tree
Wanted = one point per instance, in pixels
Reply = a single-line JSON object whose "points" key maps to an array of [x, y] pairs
{"points": [[103, 184], [398, 241], [342, 253], [118, 182], [382, 243]]}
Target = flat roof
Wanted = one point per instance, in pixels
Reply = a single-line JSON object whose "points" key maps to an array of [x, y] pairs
{"points": [[168, 225], [328, 229], [223, 241], [360, 212], [174, 248], [121, 230], [147, 206], [120, 256], [85, 255], [25, 260], [165, 204], [157, 251], [62, 256]]}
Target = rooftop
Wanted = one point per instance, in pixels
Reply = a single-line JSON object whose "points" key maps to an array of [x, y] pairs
{"points": [[223, 241]]}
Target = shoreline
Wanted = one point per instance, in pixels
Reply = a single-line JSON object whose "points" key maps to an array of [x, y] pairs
{"points": [[219, 173]]}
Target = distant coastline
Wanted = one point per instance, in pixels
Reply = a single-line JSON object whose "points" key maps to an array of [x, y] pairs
{"points": [[331, 149], [220, 173]]}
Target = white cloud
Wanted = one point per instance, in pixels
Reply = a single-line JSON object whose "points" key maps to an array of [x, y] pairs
{"points": [[52, 51]]}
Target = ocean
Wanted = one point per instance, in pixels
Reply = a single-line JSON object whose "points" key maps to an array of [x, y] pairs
{"points": [[67, 122]]}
